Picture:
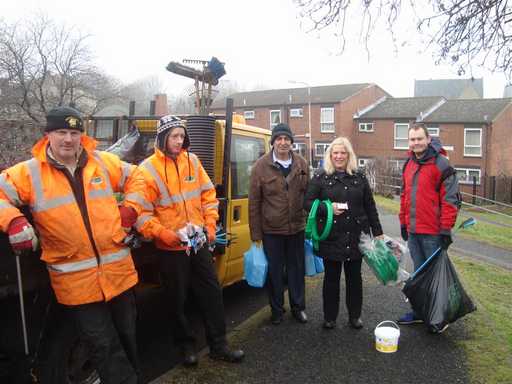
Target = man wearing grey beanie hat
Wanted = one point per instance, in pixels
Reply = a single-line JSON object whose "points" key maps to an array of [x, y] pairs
{"points": [[277, 219]]}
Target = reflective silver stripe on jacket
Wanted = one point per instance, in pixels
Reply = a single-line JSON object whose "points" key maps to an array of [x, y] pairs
{"points": [[164, 199], [137, 198], [10, 191], [126, 170], [207, 186], [5, 205], [212, 205], [89, 263], [142, 219], [40, 203], [107, 191]]}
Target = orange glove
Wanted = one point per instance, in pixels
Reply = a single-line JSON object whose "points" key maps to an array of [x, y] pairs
{"points": [[169, 238], [128, 217], [21, 234], [211, 229]]}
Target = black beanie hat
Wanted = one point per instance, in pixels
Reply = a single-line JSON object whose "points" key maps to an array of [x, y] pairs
{"points": [[281, 129], [64, 118], [165, 125]]}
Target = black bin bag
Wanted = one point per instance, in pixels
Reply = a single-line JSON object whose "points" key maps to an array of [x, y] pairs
{"points": [[437, 295]]}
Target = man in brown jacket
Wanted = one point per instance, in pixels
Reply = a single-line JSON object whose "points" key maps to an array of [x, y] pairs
{"points": [[277, 186]]}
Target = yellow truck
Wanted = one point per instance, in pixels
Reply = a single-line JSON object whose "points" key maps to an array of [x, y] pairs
{"points": [[227, 147]]}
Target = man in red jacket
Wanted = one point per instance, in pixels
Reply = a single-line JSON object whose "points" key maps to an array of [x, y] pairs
{"points": [[429, 201]]}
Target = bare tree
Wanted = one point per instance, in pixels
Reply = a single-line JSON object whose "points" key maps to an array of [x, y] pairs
{"points": [[142, 91], [462, 32], [44, 64]]}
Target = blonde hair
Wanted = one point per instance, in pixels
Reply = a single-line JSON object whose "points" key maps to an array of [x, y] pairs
{"points": [[352, 159]]}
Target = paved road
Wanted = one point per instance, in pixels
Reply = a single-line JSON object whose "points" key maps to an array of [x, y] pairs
{"points": [[461, 246], [296, 353]]}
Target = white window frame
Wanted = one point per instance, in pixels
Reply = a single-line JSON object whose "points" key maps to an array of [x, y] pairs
{"points": [[396, 164], [433, 131], [395, 138], [363, 161], [272, 125], [366, 127], [468, 179], [300, 148], [317, 146], [327, 126], [249, 115], [466, 130], [296, 112]]}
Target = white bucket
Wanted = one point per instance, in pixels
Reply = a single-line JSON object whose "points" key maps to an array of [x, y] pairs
{"points": [[386, 338]]}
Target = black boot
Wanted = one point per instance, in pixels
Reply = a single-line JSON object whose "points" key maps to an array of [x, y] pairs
{"points": [[226, 354], [189, 356]]}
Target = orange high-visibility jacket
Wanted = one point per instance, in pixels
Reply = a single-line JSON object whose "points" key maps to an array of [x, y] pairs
{"points": [[81, 270], [177, 192]]}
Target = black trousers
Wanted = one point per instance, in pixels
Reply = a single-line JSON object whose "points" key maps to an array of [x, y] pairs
{"points": [[109, 329], [331, 288], [285, 252], [195, 272]]}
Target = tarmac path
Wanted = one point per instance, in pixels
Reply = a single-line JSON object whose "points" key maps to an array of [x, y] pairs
{"points": [[305, 353]]}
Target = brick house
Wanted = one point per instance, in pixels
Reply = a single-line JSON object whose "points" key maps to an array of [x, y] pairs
{"points": [[476, 133], [332, 110]]}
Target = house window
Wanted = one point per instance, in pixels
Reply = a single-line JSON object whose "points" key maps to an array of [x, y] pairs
{"points": [[465, 175], [365, 127], [296, 112], [401, 136], [249, 115], [396, 165], [300, 148], [327, 120], [433, 131], [363, 162], [275, 118], [473, 142], [320, 149]]}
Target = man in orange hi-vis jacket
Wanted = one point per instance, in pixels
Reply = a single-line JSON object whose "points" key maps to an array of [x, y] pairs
{"points": [[180, 214], [69, 187]]}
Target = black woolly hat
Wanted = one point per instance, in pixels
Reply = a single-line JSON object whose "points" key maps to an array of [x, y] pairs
{"points": [[281, 129], [64, 118]]}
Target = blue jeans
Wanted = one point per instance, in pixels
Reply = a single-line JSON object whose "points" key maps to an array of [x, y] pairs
{"points": [[422, 247]]}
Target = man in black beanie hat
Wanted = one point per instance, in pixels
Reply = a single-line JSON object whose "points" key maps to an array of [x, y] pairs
{"points": [[69, 187], [276, 218]]}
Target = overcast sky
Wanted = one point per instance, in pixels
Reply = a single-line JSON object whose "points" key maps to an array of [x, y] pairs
{"points": [[261, 42]]}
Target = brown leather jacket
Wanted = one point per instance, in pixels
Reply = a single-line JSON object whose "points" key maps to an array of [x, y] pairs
{"points": [[276, 202]]}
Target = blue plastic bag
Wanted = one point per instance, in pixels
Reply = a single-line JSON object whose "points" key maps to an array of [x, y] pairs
{"points": [[313, 263], [255, 266]]}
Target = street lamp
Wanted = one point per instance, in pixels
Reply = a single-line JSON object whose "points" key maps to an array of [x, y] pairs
{"points": [[309, 118]]}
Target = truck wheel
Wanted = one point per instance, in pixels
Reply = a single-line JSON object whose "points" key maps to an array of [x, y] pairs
{"points": [[64, 359]]}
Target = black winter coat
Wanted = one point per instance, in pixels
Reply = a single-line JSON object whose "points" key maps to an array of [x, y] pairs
{"points": [[340, 187]]}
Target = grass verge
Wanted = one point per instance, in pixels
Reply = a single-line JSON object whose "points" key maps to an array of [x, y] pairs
{"points": [[492, 234], [489, 343]]}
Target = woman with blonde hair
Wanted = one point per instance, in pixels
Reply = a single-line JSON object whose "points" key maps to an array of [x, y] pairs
{"points": [[354, 211]]}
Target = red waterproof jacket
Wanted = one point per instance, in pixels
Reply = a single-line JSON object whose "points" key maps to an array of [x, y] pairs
{"points": [[430, 197]]}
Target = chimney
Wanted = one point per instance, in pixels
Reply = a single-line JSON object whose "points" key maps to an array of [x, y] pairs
{"points": [[161, 106]]}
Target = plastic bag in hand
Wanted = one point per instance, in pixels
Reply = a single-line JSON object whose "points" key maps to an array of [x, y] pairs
{"points": [[255, 266], [379, 258]]}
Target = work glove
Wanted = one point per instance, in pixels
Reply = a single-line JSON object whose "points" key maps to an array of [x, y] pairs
{"points": [[21, 235], [210, 233], [169, 238], [128, 217], [446, 240], [185, 233], [404, 233]]}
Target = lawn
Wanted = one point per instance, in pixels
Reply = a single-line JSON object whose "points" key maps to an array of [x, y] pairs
{"points": [[486, 232], [489, 342]]}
